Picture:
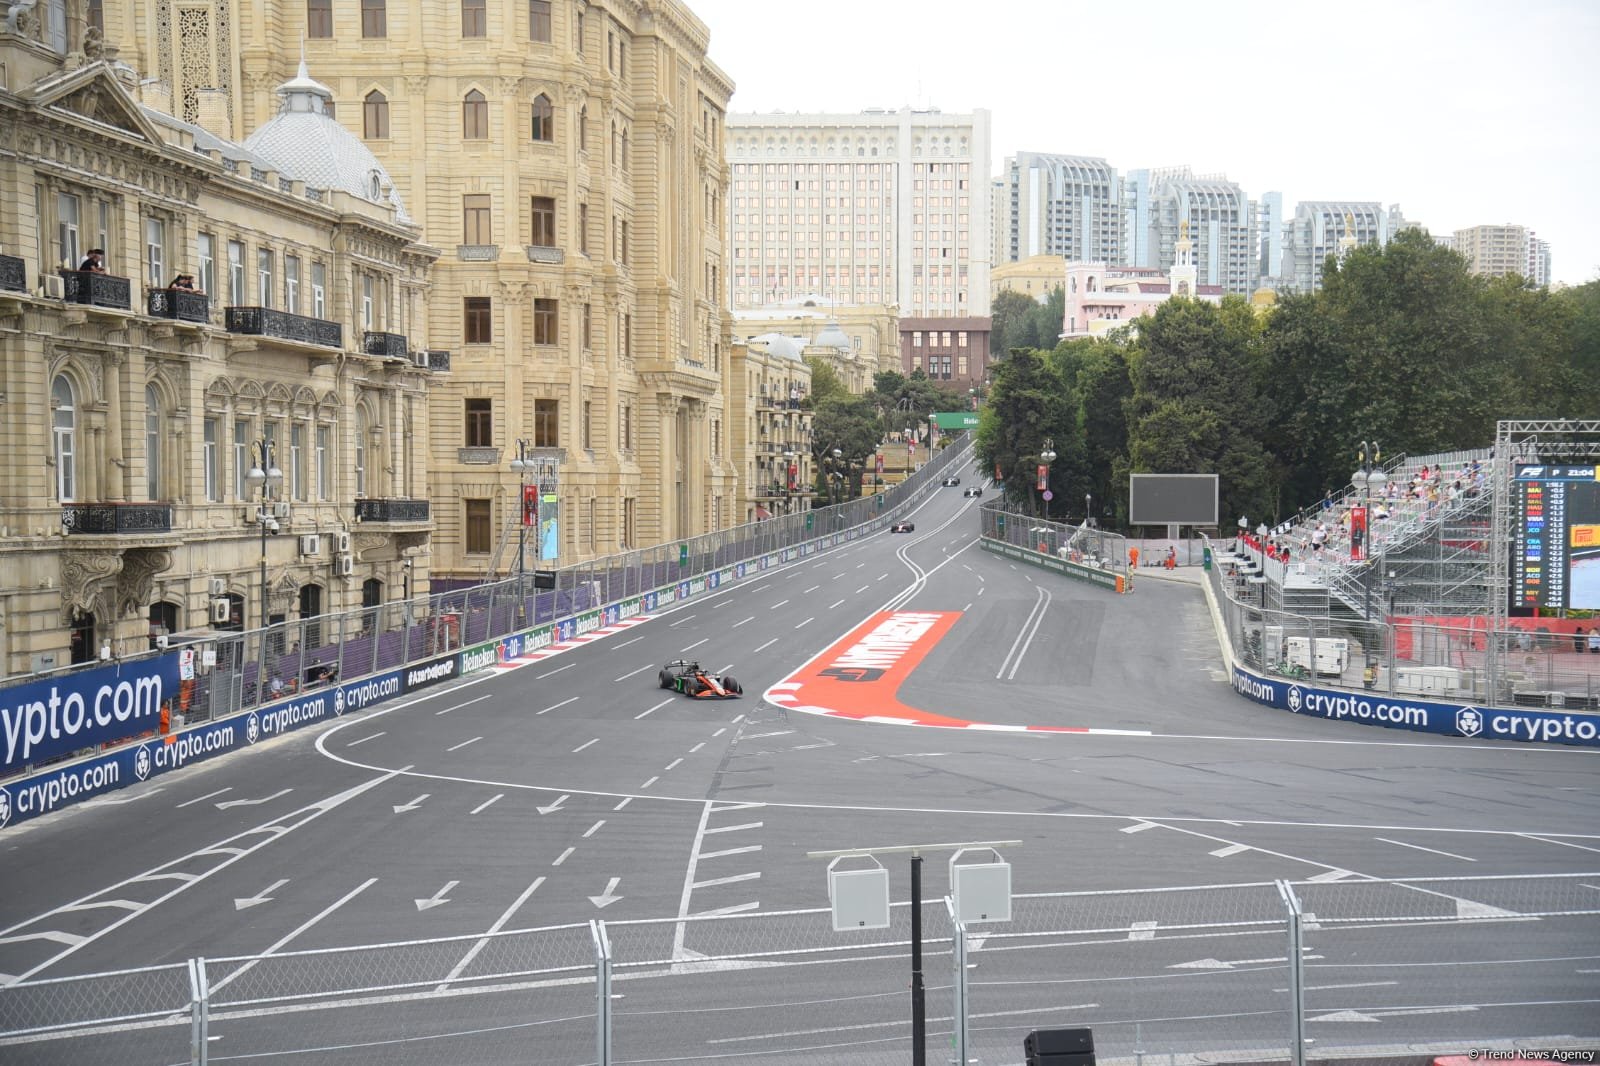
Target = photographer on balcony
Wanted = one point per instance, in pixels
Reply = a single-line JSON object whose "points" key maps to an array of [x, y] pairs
{"points": [[94, 262], [183, 283]]}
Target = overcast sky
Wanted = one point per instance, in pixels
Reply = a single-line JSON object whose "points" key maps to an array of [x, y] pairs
{"points": [[1464, 113]]}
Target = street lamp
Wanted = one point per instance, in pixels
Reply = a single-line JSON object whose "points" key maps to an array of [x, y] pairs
{"points": [[1088, 509], [790, 473], [1046, 457], [524, 467], [264, 479], [1369, 473]]}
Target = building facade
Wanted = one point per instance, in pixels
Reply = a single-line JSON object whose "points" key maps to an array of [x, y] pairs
{"points": [[858, 341], [142, 406], [770, 415], [1101, 297], [1220, 221], [1318, 229], [1498, 251], [1066, 206], [947, 350], [884, 207], [579, 209], [1036, 277]]}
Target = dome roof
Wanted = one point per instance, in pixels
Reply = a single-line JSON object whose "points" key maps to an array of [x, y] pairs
{"points": [[778, 344], [303, 142], [833, 337]]}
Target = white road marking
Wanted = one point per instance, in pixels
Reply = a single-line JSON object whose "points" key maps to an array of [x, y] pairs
{"points": [[469, 703], [808, 621], [652, 710], [1141, 827], [688, 879], [836, 577], [202, 799], [1231, 849], [1331, 875], [680, 621], [553, 706], [625, 801], [730, 851], [813, 588], [363, 740], [499, 924], [737, 908], [225, 804], [762, 588], [563, 856], [217, 986], [1419, 847], [728, 880], [486, 803], [733, 828], [552, 673], [697, 747], [742, 621], [719, 732], [968, 607], [585, 744], [1142, 930], [834, 604], [104, 801], [882, 576], [413, 805], [463, 744], [767, 645], [671, 765], [438, 899], [635, 640], [587, 833], [696, 644], [1563, 843], [631, 673], [863, 588], [780, 603], [263, 896], [650, 782]]}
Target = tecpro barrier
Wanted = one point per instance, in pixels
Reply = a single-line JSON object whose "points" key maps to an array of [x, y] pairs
{"points": [[44, 720], [1065, 567], [1422, 716]]}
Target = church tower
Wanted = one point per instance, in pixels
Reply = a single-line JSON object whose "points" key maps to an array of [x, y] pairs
{"points": [[1184, 274]]}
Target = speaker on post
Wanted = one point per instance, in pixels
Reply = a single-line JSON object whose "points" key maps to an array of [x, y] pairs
{"points": [[1059, 1047]]}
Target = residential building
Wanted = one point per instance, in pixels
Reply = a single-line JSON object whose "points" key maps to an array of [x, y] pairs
{"points": [[1319, 227], [1269, 238], [1035, 277], [568, 158], [1067, 206], [953, 350], [1497, 251], [1221, 226], [871, 340], [882, 207], [1538, 272], [143, 409], [1102, 297], [769, 413]]}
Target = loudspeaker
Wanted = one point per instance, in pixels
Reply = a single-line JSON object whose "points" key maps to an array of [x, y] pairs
{"points": [[1059, 1047]]}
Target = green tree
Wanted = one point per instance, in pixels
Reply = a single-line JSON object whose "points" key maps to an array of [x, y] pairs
{"points": [[852, 425], [1009, 313], [1028, 404], [825, 383], [1104, 389]]}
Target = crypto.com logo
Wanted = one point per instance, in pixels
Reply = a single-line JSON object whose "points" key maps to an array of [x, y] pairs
{"points": [[1469, 723], [1294, 698]]}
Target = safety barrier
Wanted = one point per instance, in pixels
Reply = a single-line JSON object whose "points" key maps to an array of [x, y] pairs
{"points": [[1079, 552]]}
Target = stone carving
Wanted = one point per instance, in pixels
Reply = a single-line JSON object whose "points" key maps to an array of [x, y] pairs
{"points": [[24, 21], [87, 578], [139, 568]]}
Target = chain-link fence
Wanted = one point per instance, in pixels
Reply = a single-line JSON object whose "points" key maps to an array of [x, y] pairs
{"points": [[1267, 971], [1089, 546]]}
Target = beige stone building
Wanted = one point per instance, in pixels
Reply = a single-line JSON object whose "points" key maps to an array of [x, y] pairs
{"points": [[567, 157], [857, 340], [770, 413], [135, 411], [1035, 277]]}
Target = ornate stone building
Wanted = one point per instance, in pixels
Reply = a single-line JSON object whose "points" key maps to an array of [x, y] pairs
{"points": [[567, 156], [857, 340], [770, 413], [133, 409]]}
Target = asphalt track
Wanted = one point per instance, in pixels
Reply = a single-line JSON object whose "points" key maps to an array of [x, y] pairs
{"points": [[573, 788]]}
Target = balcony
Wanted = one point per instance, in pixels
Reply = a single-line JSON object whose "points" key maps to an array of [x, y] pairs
{"points": [[391, 510], [438, 361], [539, 253], [96, 290], [180, 305], [385, 345], [13, 273], [477, 253], [265, 322], [116, 517]]}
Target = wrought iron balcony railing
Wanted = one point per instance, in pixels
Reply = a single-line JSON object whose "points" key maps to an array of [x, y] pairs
{"points": [[391, 510], [387, 345], [439, 360], [97, 290], [265, 322], [117, 517], [183, 305], [13, 273]]}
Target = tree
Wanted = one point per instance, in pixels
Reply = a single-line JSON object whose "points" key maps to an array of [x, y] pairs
{"points": [[825, 383], [1104, 390], [1029, 403], [850, 424], [1008, 319]]}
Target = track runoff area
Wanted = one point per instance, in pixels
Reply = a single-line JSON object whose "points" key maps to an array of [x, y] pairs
{"points": [[916, 690]]}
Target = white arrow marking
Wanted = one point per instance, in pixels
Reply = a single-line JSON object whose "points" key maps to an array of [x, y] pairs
{"points": [[208, 795], [414, 804], [437, 898], [264, 896], [253, 803], [555, 805], [1218, 964], [109, 801], [1379, 1015], [609, 896]]}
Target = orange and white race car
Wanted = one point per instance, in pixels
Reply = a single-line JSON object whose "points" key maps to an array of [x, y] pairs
{"points": [[687, 677]]}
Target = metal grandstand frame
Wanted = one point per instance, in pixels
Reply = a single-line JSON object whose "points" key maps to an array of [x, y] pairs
{"points": [[1539, 439]]}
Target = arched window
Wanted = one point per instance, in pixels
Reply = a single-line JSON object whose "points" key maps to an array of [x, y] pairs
{"points": [[64, 427], [544, 126], [361, 452], [474, 116], [375, 116], [152, 442], [624, 148]]}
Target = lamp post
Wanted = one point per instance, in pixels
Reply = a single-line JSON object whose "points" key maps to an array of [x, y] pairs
{"points": [[1046, 456], [264, 479], [524, 468], [1369, 455], [1088, 509], [790, 473]]}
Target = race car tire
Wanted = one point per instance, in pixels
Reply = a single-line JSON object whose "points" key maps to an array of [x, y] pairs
{"points": [[665, 679], [692, 686], [731, 683]]}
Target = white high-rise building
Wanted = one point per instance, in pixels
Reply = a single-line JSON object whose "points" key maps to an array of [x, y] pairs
{"points": [[1063, 205], [878, 207], [1501, 250], [1269, 238], [1318, 228], [1221, 226]]}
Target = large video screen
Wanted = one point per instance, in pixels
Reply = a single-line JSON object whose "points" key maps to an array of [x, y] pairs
{"points": [[1555, 537]]}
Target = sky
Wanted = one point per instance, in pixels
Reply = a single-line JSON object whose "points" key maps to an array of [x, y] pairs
{"points": [[1464, 113]]}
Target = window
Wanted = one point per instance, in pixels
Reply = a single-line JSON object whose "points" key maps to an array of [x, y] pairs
{"points": [[68, 244], [241, 458], [544, 119], [361, 451], [291, 284], [577, 34], [544, 321], [299, 483], [95, 16], [319, 289], [627, 336], [319, 19], [624, 148], [479, 526], [479, 422], [375, 116], [590, 523], [546, 423], [588, 425], [477, 313], [155, 244], [543, 234], [583, 228], [374, 18], [367, 317], [64, 432], [588, 328], [625, 230], [211, 461], [474, 116], [475, 219], [539, 21], [152, 443], [264, 277], [206, 246], [627, 521], [324, 462], [583, 128], [474, 18]]}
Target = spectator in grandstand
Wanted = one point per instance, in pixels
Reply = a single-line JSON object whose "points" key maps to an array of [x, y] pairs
{"points": [[1327, 500], [275, 689], [1594, 640], [1577, 639]]}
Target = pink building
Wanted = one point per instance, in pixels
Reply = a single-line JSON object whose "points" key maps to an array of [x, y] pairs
{"points": [[1100, 298]]}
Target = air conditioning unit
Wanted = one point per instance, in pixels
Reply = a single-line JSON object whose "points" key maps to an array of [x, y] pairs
{"points": [[341, 542], [344, 566], [310, 544], [55, 286], [419, 357], [221, 610], [281, 509], [219, 586]]}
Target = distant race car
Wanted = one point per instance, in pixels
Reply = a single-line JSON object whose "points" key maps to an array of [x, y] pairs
{"points": [[951, 480], [903, 527], [976, 490], [687, 677]]}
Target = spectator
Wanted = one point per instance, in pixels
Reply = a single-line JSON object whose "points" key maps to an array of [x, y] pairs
{"points": [[1577, 639], [94, 262], [1594, 640], [183, 282], [275, 689]]}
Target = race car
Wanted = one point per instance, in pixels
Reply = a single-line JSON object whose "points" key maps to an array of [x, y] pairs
{"points": [[903, 527], [976, 490], [951, 480], [687, 676]]}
